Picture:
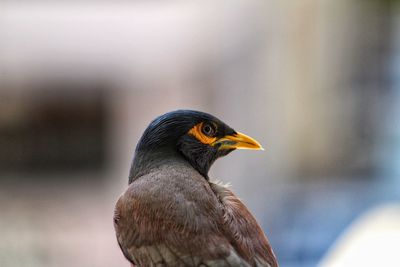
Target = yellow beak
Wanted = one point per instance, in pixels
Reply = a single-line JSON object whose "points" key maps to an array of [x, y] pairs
{"points": [[238, 141]]}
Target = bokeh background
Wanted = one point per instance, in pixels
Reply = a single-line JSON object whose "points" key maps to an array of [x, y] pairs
{"points": [[317, 82]]}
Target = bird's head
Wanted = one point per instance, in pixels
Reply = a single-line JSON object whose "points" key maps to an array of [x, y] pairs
{"points": [[195, 136]]}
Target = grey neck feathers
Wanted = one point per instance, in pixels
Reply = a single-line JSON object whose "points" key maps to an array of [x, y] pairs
{"points": [[145, 162]]}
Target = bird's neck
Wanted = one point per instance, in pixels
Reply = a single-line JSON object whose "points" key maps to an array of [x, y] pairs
{"points": [[144, 161]]}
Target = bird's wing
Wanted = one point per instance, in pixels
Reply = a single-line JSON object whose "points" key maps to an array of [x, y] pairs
{"points": [[246, 235], [173, 222]]}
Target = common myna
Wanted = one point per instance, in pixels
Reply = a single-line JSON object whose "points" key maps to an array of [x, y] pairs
{"points": [[172, 214]]}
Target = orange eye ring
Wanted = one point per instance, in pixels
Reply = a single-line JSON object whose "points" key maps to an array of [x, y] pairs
{"points": [[202, 134]]}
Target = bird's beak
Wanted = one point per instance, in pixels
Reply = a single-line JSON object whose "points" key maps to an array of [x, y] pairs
{"points": [[238, 141]]}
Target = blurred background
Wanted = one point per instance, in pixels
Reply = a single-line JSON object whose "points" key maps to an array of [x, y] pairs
{"points": [[317, 82]]}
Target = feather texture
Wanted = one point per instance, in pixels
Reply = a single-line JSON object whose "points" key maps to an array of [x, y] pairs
{"points": [[174, 217]]}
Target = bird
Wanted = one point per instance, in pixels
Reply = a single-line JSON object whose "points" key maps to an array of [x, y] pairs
{"points": [[171, 214]]}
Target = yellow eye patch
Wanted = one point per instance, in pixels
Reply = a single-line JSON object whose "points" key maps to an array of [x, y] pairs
{"points": [[197, 132]]}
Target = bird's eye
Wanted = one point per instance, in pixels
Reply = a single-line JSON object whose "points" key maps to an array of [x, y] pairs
{"points": [[208, 130]]}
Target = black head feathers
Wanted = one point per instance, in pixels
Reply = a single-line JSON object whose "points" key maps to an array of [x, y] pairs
{"points": [[196, 137]]}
